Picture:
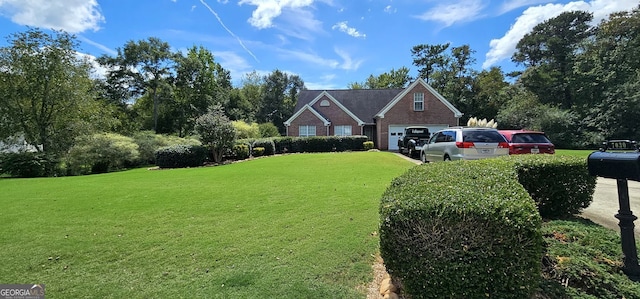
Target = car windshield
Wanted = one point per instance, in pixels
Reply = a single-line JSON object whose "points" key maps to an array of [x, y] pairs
{"points": [[482, 136], [529, 138]]}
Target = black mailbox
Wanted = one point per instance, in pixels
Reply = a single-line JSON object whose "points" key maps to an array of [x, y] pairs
{"points": [[615, 165], [617, 159], [621, 162]]}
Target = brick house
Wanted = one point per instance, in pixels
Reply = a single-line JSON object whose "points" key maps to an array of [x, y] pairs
{"points": [[380, 114]]}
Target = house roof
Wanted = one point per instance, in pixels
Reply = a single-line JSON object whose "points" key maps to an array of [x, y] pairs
{"points": [[363, 103], [316, 113]]}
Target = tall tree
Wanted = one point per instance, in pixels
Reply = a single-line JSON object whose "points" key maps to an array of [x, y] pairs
{"points": [[279, 98], [244, 101], [609, 74], [46, 93], [428, 59], [393, 79], [200, 82], [487, 88], [549, 52], [140, 67]]}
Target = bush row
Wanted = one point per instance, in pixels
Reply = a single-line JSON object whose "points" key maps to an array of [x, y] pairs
{"points": [[282, 145], [179, 156], [471, 229], [464, 229]]}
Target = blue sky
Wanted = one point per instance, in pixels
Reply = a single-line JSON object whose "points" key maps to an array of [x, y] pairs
{"points": [[328, 43]]}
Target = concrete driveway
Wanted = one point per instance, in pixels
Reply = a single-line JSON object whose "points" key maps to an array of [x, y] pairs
{"points": [[605, 204]]}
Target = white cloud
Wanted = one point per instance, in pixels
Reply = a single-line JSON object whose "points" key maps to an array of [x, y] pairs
{"points": [[451, 13], [504, 47], [234, 63], [348, 63], [69, 15], [508, 6], [390, 10], [313, 59], [300, 24], [343, 27], [267, 10]]}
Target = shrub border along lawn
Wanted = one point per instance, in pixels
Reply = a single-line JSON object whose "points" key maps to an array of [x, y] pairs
{"points": [[456, 229]]}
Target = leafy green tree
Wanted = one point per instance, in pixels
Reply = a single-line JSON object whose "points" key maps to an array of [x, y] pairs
{"points": [[429, 59], [200, 82], [393, 79], [268, 130], [279, 98], [245, 101], [609, 76], [245, 130], [46, 93], [138, 68], [549, 52], [216, 131], [486, 88]]}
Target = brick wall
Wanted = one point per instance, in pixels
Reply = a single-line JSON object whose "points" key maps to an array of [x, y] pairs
{"points": [[332, 112], [435, 112]]}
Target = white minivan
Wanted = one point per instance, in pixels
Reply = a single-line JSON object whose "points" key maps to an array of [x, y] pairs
{"points": [[464, 143]]}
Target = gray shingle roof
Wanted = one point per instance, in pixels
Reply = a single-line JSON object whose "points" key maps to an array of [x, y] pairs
{"points": [[364, 103]]}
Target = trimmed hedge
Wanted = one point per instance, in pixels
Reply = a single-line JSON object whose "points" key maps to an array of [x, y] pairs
{"points": [[179, 156], [27, 164], [463, 229], [268, 145], [368, 145], [560, 185], [241, 151]]}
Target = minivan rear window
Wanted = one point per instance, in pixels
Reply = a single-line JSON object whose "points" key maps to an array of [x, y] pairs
{"points": [[482, 136]]}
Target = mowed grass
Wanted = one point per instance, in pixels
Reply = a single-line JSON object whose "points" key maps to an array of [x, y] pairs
{"points": [[575, 153], [294, 226]]}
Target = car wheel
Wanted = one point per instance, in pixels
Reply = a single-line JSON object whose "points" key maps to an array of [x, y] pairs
{"points": [[447, 158]]}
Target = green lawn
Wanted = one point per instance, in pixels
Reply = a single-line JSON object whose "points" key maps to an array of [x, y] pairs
{"points": [[295, 226], [575, 153]]}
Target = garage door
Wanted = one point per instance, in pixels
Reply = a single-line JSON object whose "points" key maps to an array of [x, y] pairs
{"points": [[395, 133]]}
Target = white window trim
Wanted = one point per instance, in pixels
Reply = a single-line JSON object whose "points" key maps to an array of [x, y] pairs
{"points": [[342, 131], [307, 131], [418, 97]]}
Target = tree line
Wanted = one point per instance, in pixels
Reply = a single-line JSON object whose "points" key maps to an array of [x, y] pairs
{"points": [[580, 83], [50, 94]]}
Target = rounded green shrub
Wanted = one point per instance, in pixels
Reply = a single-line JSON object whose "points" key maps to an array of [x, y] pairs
{"points": [[27, 164], [258, 151], [463, 229], [368, 145], [148, 142], [560, 185], [241, 151], [102, 152], [179, 156], [268, 145]]}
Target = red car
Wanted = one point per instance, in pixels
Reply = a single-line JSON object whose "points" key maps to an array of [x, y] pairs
{"points": [[528, 142]]}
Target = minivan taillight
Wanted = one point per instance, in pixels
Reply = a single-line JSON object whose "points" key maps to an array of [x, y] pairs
{"points": [[465, 144]]}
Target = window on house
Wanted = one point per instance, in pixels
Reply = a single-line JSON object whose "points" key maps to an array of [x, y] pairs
{"points": [[418, 101], [306, 131], [324, 103], [342, 130]]}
